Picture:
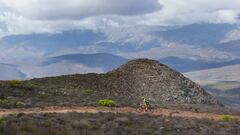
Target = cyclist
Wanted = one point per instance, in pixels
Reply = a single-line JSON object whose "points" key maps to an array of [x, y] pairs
{"points": [[146, 104]]}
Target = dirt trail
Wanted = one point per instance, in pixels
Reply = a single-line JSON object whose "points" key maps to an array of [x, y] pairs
{"points": [[159, 111]]}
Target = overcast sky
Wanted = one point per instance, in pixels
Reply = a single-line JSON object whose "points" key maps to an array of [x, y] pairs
{"points": [[34, 16]]}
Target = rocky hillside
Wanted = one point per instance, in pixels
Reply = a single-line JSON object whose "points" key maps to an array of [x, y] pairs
{"points": [[158, 83], [125, 85]]}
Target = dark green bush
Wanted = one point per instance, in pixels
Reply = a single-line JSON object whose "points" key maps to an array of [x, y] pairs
{"points": [[107, 103], [2, 124], [6, 103]]}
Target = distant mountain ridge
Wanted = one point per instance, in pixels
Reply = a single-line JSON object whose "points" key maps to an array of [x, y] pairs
{"points": [[227, 73], [9, 72], [197, 34], [55, 41], [65, 64], [228, 92], [101, 60], [231, 46], [184, 48], [194, 36], [188, 65]]}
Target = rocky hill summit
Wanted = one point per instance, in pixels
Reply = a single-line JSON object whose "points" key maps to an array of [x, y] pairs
{"points": [[125, 85], [158, 83]]}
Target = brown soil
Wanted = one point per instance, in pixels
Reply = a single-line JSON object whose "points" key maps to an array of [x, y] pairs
{"points": [[156, 112]]}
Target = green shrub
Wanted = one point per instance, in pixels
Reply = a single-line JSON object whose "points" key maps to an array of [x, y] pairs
{"points": [[2, 123], [28, 86], [107, 102], [88, 92], [15, 83], [6, 103], [226, 117]]}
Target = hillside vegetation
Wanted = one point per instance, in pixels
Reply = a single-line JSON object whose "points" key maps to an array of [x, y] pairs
{"points": [[125, 85]]}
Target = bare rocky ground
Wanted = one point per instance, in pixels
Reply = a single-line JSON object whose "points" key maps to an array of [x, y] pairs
{"points": [[114, 124]]}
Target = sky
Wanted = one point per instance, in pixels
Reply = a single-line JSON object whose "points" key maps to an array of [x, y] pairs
{"points": [[40, 16]]}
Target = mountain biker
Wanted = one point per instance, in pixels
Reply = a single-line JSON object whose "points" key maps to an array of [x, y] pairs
{"points": [[146, 104]]}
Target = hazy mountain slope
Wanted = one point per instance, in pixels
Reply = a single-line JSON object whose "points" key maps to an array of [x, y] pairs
{"points": [[8, 72], [189, 65], [71, 64], [35, 70], [227, 92], [199, 34], [227, 73], [99, 60], [61, 65], [231, 46], [49, 43]]}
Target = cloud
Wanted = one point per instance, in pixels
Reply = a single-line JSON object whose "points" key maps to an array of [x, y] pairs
{"points": [[77, 9], [3, 28], [41, 16], [184, 12]]}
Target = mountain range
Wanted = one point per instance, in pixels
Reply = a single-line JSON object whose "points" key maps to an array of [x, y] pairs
{"points": [[226, 73], [186, 48]]}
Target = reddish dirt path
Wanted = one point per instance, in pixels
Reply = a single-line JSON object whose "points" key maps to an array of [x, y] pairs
{"points": [[159, 111]]}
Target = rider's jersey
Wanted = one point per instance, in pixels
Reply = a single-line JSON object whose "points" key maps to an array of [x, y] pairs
{"points": [[146, 102]]}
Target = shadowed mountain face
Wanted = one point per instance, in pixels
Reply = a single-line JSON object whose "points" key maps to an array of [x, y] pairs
{"points": [[100, 60], [126, 85], [188, 65]]}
